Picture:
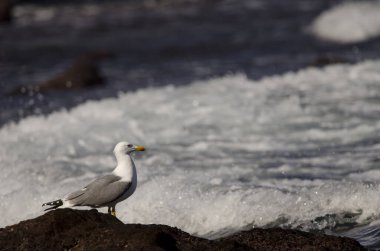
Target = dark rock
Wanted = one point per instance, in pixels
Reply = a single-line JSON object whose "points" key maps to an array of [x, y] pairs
{"points": [[82, 73], [5, 11], [67, 229], [329, 59], [287, 239]]}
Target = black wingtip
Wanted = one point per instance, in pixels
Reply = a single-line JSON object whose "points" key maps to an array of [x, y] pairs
{"points": [[54, 204]]}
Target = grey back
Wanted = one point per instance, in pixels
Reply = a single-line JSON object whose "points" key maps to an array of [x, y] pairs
{"points": [[101, 192]]}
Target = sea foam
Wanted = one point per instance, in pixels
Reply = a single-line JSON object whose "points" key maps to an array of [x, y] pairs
{"points": [[349, 22], [297, 150]]}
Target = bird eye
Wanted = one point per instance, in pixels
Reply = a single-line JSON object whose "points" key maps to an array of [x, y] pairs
{"points": [[130, 145]]}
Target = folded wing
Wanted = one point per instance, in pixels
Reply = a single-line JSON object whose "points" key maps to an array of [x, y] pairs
{"points": [[100, 192]]}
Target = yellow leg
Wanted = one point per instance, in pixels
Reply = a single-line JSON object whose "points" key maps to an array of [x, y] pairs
{"points": [[113, 211]]}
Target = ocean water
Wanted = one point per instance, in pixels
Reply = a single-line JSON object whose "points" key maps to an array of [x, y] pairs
{"points": [[241, 132], [173, 43], [298, 150]]}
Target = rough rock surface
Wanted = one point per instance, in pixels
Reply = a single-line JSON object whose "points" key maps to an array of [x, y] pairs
{"points": [[67, 229]]}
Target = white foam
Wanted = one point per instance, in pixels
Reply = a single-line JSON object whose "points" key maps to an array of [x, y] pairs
{"points": [[349, 22], [225, 153]]}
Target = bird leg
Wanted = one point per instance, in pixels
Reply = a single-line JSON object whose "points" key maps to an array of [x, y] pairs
{"points": [[113, 211]]}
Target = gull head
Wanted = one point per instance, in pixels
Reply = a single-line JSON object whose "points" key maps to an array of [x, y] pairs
{"points": [[126, 148]]}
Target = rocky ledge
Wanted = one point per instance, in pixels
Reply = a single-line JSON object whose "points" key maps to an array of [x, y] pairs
{"points": [[67, 229]]}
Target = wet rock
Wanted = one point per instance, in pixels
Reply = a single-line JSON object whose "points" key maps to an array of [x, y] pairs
{"points": [[324, 60], [5, 11], [67, 229], [83, 73]]}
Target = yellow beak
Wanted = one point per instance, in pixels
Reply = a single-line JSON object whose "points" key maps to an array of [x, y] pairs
{"points": [[140, 148]]}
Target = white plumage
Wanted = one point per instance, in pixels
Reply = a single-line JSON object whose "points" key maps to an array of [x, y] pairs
{"points": [[107, 190]]}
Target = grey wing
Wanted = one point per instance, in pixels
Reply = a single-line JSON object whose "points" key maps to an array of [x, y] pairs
{"points": [[74, 195], [101, 191]]}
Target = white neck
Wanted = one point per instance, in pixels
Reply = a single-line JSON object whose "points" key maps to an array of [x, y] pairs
{"points": [[125, 167]]}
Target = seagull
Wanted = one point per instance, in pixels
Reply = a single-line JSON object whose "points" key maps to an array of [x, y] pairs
{"points": [[106, 190]]}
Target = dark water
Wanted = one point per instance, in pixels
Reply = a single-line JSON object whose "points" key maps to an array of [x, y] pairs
{"points": [[154, 45]]}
